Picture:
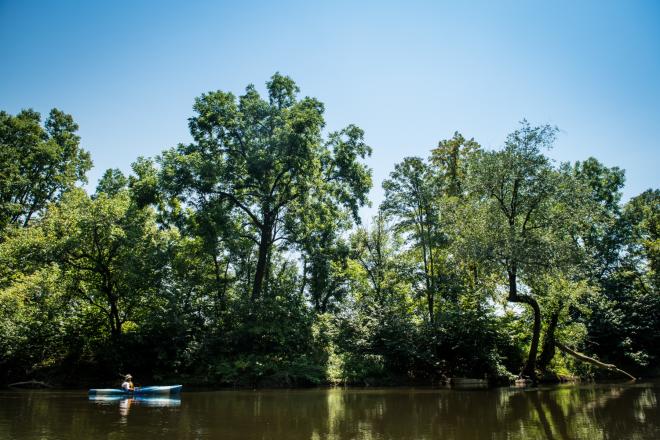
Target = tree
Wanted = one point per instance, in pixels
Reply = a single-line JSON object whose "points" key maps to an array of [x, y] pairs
{"points": [[374, 252], [108, 252], [325, 258], [112, 182], [619, 242], [451, 158], [642, 213], [604, 236], [375, 335], [37, 164], [623, 326], [559, 293], [266, 159], [411, 198], [522, 205]]}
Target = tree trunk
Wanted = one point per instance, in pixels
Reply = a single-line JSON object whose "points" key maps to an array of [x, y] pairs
{"points": [[115, 322], [225, 285], [585, 358], [530, 366], [427, 273], [216, 266], [265, 243], [430, 300], [303, 281], [548, 349]]}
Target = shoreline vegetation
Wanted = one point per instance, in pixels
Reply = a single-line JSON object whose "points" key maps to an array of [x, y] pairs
{"points": [[240, 259], [456, 383]]}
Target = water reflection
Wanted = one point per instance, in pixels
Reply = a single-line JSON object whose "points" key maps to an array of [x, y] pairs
{"points": [[144, 401], [569, 412], [124, 402]]}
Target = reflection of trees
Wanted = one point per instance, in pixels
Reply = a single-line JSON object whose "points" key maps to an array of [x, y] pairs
{"points": [[592, 412], [636, 405], [595, 412]]}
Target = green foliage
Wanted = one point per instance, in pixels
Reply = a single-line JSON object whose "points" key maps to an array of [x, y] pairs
{"points": [[258, 348], [38, 163], [642, 215], [623, 241], [412, 200], [452, 159], [235, 261], [111, 183], [266, 163], [524, 216], [33, 327]]}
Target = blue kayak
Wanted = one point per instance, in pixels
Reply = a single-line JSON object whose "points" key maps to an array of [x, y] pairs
{"points": [[160, 390]]}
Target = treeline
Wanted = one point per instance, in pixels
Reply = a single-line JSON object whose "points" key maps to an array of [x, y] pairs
{"points": [[239, 258]]}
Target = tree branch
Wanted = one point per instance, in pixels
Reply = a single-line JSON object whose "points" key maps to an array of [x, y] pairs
{"points": [[233, 198], [585, 358]]}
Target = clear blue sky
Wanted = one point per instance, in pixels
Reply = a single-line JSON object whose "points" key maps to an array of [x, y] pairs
{"points": [[409, 73]]}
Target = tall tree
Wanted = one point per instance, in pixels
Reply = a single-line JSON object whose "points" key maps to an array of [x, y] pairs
{"points": [[267, 159], [522, 207], [411, 199], [37, 164]]}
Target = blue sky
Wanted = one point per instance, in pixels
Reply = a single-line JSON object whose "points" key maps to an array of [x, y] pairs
{"points": [[409, 73]]}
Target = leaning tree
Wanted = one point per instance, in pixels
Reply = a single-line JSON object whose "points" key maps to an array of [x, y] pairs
{"points": [[520, 212]]}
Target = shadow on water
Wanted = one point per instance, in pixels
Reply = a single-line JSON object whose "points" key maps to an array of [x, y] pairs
{"points": [[614, 411]]}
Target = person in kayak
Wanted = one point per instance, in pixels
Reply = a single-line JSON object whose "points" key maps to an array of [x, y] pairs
{"points": [[128, 384]]}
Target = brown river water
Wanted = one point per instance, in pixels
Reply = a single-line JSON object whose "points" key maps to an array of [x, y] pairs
{"points": [[582, 411]]}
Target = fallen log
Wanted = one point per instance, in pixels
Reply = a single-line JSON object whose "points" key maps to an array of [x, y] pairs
{"points": [[30, 384], [464, 382], [585, 358]]}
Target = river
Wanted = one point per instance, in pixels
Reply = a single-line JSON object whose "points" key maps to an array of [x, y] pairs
{"points": [[583, 411]]}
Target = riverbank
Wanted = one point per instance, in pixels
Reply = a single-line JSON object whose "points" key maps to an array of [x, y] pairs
{"points": [[449, 383]]}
